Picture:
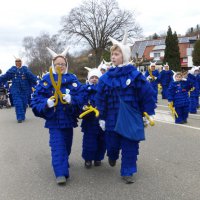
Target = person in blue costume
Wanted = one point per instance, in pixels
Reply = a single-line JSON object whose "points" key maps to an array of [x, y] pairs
{"points": [[152, 76], [94, 145], [122, 81], [21, 78], [178, 97], [165, 77], [194, 95], [57, 98], [198, 81]]}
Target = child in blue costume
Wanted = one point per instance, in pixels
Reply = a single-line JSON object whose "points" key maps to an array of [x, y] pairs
{"points": [[178, 97], [198, 81], [154, 79], [59, 112], [166, 76], [194, 94], [94, 146], [124, 81], [22, 79]]}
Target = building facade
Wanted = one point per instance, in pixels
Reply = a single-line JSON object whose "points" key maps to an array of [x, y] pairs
{"points": [[154, 50]]}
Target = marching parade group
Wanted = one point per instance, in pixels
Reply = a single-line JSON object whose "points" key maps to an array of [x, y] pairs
{"points": [[115, 105]]}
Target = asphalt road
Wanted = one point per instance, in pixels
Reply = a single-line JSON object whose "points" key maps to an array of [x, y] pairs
{"points": [[168, 165]]}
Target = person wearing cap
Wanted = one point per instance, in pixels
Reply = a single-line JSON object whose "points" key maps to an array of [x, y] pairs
{"points": [[57, 98], [123, 83], [22, 78], [93, 147], [152, 76], [165, 77]]}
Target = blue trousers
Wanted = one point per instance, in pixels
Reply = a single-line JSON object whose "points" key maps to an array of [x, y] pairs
{"points": [[193, 104], [182, 114], [60, 142], [94, 145], [164, 91], [20, 102], [155, 95], [129, 151]]}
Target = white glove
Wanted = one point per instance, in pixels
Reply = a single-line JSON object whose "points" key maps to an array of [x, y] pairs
{"points": [[67, 98], [155, 78], [50, 103], [149, 78], [184, 79], [102, 124], [146, 121]]}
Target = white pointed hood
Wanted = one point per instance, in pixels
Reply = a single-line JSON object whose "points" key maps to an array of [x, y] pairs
{"points": [[102, 65], [193, 70], [125, 48], [93, 72], [55, 55], [166, 65]]}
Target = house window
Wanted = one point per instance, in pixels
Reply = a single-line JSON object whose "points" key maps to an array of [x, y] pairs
{"points": [[185, 60], [156, 55]]}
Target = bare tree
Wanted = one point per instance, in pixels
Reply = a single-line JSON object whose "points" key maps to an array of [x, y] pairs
{"points": [[38, 57], [94, 20]]}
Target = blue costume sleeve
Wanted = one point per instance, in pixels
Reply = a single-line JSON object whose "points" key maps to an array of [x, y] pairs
{"points": [[7, 76], [30, 76], [39, 101], [101, 100], [160, 77], [146, 74], [77, 94], [85, 92], [171, 92], [145, 93]]}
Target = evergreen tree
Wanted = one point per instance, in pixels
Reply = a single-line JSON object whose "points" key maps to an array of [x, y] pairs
{"points": [[196, 54], [172, 54], [155, 36]]}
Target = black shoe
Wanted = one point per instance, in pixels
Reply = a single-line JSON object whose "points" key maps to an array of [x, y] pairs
{"points": [[185, 122], [128, 179], [97, 163], [88, 164], [61, 180], [112, 163], [19, 121]]}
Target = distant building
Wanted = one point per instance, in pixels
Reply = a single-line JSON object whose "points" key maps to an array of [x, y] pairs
{"points": [[153, 50]]}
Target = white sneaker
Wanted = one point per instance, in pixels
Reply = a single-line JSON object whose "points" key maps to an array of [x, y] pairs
{"points": [[61, 180]]}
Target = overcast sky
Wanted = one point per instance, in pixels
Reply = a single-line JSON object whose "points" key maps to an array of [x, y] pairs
{"points": [[19, 19]]}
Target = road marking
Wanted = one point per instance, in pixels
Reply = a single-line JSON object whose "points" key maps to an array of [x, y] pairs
{"points": [[169, 113], [159, 105], [186, 126], [162, 105], [164, 117]]}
